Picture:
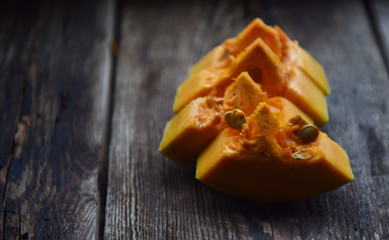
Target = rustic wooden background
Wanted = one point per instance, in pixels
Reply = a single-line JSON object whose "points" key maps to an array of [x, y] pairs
{"points": [[80, 125]]}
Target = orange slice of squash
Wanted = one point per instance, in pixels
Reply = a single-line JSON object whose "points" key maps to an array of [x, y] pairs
{"points": [[265, 161]]}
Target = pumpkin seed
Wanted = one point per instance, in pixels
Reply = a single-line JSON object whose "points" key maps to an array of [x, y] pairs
{"points": [[303, 155], [224, 56], [297, 121], [307, 133], [235, 118]]}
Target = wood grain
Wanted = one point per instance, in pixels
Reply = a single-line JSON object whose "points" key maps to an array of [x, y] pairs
{"points": [[380, 18], [150, 197], [55, 77], [11, 87]]}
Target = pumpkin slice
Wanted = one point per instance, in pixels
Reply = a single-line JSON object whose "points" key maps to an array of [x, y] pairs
{"points": [[219, 56], [266, 162], [191, 130], [270, 72], [256, 29], [276, 80]]}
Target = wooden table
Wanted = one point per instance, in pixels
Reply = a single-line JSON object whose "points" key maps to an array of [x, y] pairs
{"points": [[81, 123]]}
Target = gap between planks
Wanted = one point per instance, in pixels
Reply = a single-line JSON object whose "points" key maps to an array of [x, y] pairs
{"points": [[378, 35], [12, 152], [103, 165]]}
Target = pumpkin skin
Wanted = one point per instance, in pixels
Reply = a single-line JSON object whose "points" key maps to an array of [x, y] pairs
{"points": [[279, 89]]}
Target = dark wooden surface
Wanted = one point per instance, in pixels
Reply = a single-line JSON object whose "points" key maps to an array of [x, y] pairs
{"points": [[55, 77], [80, 127]]}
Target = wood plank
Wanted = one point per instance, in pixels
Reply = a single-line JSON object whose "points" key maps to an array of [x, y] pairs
{"points": [[380, 16], [55, 78], [150, 197], [11, 82]]}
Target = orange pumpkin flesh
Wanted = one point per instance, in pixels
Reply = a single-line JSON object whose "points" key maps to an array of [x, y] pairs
{"points": [[191, 130], [279, 87], [256, 29], [232, 47]]}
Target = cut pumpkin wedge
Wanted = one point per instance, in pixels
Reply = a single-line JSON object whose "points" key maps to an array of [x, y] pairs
{"points": [[220, 55], [191, 130], [266, 163], [256, 29]]}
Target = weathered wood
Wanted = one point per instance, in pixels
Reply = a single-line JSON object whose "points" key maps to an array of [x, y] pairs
{"points": [[55, 68], [11, 87], [150, 197], [380, 17]]}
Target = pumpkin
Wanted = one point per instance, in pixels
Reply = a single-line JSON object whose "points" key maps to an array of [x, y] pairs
{"points": [[246, 119]]}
